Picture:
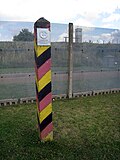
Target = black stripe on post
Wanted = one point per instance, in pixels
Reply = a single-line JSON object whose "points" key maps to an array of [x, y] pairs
{"points": [[42, 58], [45, 122], [44, 92]]}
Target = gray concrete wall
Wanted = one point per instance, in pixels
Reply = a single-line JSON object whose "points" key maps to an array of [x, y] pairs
{"points": [[95, 67], [21, 54]]}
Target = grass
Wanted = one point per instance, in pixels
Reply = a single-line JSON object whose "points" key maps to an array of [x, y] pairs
{"points": [[84, 129]]}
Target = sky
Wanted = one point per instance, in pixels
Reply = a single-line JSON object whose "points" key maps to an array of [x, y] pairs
{"points": [[94, 15], [8, 29], [90, 13]]}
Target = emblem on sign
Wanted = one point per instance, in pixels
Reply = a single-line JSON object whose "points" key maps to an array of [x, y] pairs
{"points": [[43, 34]]}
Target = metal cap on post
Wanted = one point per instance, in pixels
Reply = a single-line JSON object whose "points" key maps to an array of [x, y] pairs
{"points": [[42, 50]]}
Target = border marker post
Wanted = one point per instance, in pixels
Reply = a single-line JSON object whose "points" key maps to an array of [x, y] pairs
{"points": [[42, 52]]}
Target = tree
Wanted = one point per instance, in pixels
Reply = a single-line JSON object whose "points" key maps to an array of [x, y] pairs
{"points": [[24, 35]]}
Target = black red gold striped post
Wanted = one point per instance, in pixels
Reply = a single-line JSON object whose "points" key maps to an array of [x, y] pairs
{"points": [[42, 51]]}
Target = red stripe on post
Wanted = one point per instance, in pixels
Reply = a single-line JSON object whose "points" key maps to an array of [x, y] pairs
{"points": [[36, 71], [44, 69], [46, 131], [37, 101], [45, 101]]}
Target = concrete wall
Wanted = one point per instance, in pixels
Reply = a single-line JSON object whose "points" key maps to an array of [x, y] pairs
{"points": [[21, 54], [16, 54], [95, 67]]}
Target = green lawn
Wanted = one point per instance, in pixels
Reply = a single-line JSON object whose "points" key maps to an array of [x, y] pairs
{"points": [[84, 129]]}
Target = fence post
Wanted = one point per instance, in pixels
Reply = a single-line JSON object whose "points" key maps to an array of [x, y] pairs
{"points": [[42, 52], [70, 60]]}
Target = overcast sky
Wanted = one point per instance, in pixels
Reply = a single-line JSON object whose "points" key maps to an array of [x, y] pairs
{"points": [[94, 13]]}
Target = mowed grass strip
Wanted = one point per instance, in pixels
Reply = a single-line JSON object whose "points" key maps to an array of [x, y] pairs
{"points": [[84, 129]]}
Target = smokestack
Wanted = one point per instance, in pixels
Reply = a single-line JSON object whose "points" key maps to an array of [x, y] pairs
{"points": [[78, 35]]}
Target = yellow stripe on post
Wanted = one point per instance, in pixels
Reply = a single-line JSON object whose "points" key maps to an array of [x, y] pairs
{"points": [[49, 137], [40, 49], [45, 112], [44, 81]]}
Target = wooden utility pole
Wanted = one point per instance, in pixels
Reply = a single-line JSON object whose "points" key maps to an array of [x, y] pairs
{"points": [[70, 60]]}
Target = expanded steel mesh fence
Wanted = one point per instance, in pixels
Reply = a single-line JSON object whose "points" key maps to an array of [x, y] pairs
{"points": [[96, 67], [96, 63]]}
